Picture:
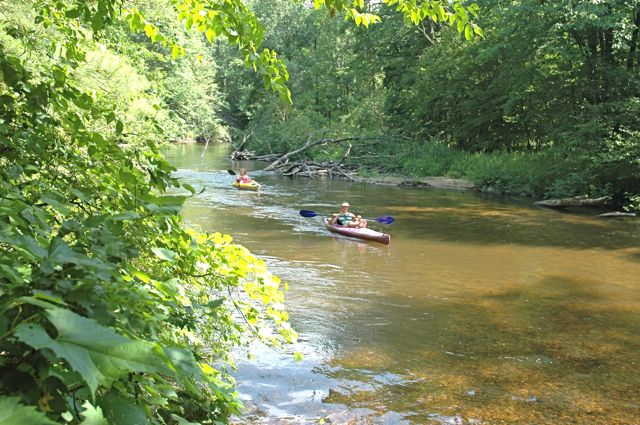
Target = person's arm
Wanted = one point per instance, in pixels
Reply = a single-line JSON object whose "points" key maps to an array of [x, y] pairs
{"points": [[334, 219]]}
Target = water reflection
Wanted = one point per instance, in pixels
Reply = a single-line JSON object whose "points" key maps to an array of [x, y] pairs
{"points": [[482, 309]]}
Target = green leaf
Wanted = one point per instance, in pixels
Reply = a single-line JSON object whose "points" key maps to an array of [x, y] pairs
{"points": [[182, 421], [142, 276], [210, 34], [119, 127], [189, 188], [183, 361], [122, 411], [149, 31], [14, 413], [97, 353], [160, 204], [164, 254], [73, 13], [468, 32], [60, 253], [92, 415], [97, 23], [125, 216], [12, 273]]}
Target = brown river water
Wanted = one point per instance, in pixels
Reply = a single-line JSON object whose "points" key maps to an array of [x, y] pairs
{"points": [[483, 310]]}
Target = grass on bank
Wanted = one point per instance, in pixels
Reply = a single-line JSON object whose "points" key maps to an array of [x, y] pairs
{"points": [[545, 174]]}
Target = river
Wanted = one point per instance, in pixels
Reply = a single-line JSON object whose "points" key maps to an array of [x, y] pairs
{"points": [[483, 310]]}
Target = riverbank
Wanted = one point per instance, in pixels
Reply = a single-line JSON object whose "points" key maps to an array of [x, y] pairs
{"points": [[435, 182], [547, 174]]}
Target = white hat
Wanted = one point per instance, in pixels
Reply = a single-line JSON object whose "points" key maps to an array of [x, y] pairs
{"points": [[345, 204]]}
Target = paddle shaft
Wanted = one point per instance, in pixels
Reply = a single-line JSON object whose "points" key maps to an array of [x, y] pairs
{"points": [[383, 219]]}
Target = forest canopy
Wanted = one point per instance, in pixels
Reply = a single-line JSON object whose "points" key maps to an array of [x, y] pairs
{"points": [[546, 103]]}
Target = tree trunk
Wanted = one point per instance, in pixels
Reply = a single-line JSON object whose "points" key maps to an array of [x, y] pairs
{"points": [[592, 52], [631, 58], [607, 51]]}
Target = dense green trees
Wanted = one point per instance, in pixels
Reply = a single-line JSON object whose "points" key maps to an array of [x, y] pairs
{"points": [[553, 87]]}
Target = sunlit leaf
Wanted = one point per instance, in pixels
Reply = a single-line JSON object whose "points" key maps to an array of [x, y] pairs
{"points": [[92, 415], [164, 254]]}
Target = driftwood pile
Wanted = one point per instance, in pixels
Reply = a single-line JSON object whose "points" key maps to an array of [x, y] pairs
{"points": [[251, 156], [306, 168], [289, 163]]}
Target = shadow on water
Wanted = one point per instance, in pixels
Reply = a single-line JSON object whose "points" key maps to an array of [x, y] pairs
{"points": [[475, 218], [559, 351]]}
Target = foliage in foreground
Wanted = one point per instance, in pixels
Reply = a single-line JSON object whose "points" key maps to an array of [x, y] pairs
{"points": [[111, 311]]}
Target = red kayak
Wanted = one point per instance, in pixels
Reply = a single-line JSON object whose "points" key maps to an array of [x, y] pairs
{"points": [[355, 232]]}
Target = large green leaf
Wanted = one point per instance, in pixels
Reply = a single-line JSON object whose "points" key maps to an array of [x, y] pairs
{"points": [[98, 353], [121, 410], [14, 413], [61, 253]]}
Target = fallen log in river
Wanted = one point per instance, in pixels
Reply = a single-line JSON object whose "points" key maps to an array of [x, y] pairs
{"points": [[578, 201]]}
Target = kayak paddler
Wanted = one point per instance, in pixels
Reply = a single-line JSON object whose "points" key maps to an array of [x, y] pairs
{"points": [[348, 219], [243, 178]]}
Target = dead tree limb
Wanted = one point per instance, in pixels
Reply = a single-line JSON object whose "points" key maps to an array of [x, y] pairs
{"points": [[617, 214], [578, 201], [346, 154], [309, 144], [245, 138]]}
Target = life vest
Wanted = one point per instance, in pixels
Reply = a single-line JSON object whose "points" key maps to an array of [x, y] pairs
{"points": [[343, 219]]}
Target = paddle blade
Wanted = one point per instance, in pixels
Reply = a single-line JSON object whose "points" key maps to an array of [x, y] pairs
{"points": [[233, 173], [387, 219], [308, 214]]}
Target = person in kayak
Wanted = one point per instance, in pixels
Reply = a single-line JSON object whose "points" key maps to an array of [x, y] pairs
{"points": [[243, 178], [348, 219]]}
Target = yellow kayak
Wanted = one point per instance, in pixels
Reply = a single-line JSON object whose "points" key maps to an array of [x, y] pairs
{"points": [[246, 186]]}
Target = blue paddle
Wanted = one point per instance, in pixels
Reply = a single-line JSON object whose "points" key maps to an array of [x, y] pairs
{"points": [[386, 219]]}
